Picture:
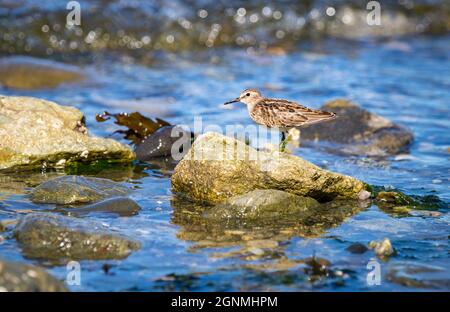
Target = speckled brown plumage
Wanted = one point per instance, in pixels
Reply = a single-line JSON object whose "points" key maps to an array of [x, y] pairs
{"points": [[279, 113], [285, 114]]}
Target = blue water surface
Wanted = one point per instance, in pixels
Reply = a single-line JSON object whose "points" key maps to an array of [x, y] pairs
{"points": [[404, 80]]}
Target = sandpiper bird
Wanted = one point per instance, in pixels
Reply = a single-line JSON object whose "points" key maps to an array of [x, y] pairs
{"points": [[279, 113]]}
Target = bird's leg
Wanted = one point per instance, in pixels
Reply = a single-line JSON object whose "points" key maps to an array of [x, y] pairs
{"points": [[283, 142]]}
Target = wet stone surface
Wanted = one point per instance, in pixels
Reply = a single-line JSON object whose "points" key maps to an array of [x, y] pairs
{"points": [[16, 277], [218, 167], [76, 190], [160, 143], [261, 204], [118, 206], [359, 132], [53, 237]]}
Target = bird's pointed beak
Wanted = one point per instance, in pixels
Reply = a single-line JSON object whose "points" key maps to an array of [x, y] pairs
{"points": [[233, 101]]}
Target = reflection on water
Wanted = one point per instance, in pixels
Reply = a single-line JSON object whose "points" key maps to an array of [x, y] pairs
{"points": [[209, 231]]}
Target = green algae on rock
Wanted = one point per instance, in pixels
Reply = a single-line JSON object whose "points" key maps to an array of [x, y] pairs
{"points": [[394, 198], [54, 237], [359, 132], [27, 278], [30, 73], [67, 190], [37, 133], [218, 167]]}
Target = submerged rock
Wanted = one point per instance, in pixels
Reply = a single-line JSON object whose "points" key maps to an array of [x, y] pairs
{"points": [[37, 133], [263, 204], [416, 276], [27, 278], [4, 224], [54, 237], [160, 143], [382, 249], [75, 190], [122, 206], [22, 72], [218, 167], [357, 248], [359, 132]]}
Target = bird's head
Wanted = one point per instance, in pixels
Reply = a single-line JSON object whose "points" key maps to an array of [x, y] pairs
{"points": [[248, 96]]}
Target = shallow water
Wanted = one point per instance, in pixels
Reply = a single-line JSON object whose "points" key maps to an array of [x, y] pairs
{"points": [[406, 81]]}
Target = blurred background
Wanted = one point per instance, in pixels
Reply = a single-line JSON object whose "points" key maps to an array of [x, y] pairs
{"points": [[179, 59]]}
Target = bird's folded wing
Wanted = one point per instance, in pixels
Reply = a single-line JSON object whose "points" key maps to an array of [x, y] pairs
{"points": [[290, 114]]}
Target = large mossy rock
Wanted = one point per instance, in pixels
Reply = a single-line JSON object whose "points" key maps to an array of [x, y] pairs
{"points": [[67, 190], [37, 132], [359, 132], [27, 278], [54, 237], [218, 167]]}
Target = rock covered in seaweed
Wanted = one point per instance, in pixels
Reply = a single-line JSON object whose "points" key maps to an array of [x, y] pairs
{"points": [[76, 189], [37, 132], [218, 167], [27, 278], [54, 237], [359, 132]]}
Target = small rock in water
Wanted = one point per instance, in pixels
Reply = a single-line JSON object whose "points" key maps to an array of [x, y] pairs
{"points": [[160, 143], [382, 249], [393, 198], [17, 277], [359, 132], [418, 276], [263, 204], [5, 223], [357, 248], [76, 189], [54, 237], [122, 206], [22, 72], [363, 195]]}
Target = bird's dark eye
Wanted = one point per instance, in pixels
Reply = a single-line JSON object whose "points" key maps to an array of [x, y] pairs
{"points": [[248, 94]]}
